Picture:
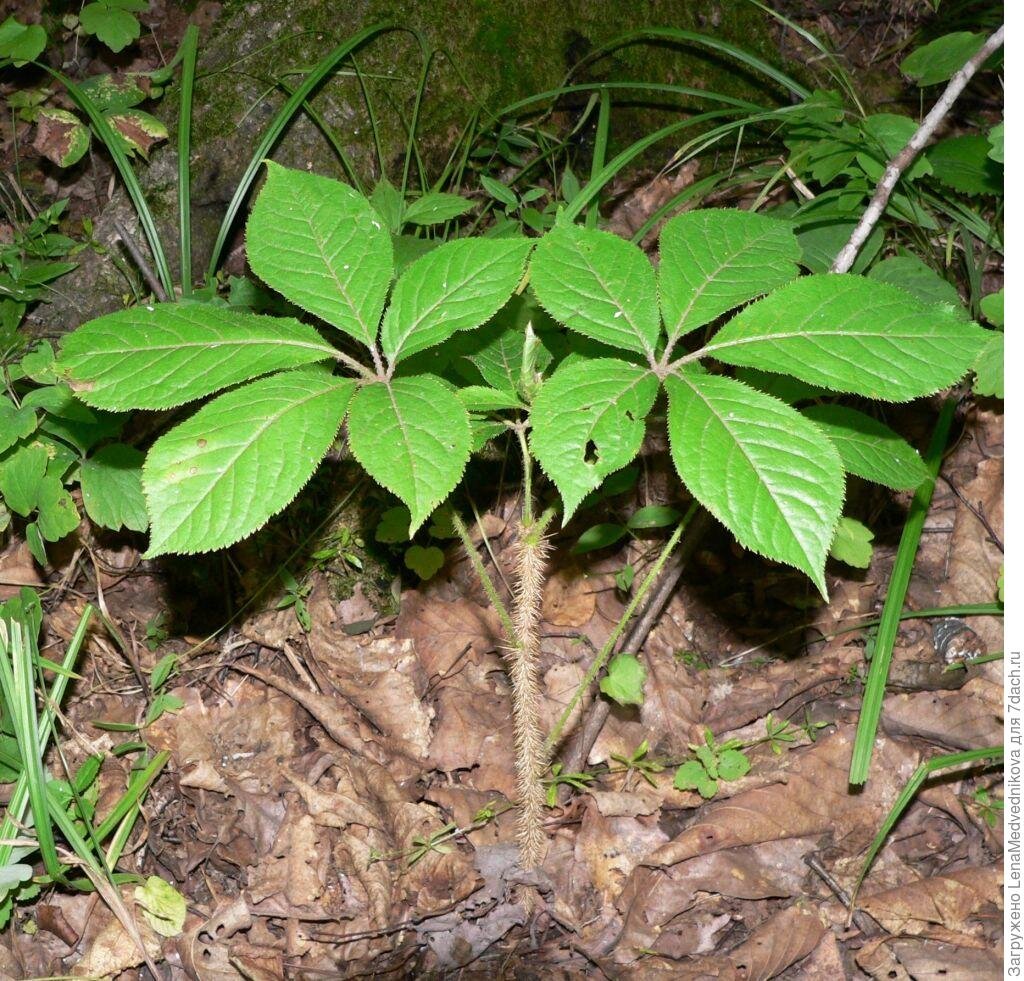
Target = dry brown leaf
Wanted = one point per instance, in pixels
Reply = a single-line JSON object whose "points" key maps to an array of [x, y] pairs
{"points": [[17, 569], [969, 718], [950, 901], [779, 941], [568, 598], [974, 560], [113, 950], [653, 899], [611, 847], [441, 631]]}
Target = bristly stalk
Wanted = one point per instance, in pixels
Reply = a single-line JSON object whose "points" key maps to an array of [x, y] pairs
{"points": [[523, 656]]}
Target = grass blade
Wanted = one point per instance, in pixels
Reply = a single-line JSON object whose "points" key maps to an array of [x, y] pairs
{"points": [[907, 795], [878, 673], [600, 149], [189, 50], [277, 126], [677, 36]]}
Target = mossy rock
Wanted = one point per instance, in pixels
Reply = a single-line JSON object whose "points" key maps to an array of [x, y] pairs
{"points": [[489, 55]]}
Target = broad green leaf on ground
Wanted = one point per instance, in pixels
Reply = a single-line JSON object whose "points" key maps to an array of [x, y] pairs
{"points": [[21, 42], [992, 308], [887, 134], [715, 259], [458, 286], [988, 368], [322, 246], [995, 142], [821, 240], [599, 536], [157, 357], [21, 475], [16, 422], [412, 436], [624, 682], [112, 22], [424, 560], [393, 526], [588, 422], [963, 163], [938, 60], [162, 905], [57, 514], [869, 448], [435, 207], [757, 465], [112, 488], [848, 334], [599, 285], [653, 516], [240, 459], [852, 543], [919, 279]]}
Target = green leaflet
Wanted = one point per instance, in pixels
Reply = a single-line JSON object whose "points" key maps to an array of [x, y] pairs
{"points": [[15, 423], [919, 279], [588, 422], [963, 163], [157, 357], [848, 334], [938, 60], [240, 459], [869, 448], [624, 682], [988, 368], [434, 207], [112, 488], [852, 543], [758, 466], [713, 260], [457, 286], [322, 246], [21, 476], [58, 515], [412, 436], [598, 285]]}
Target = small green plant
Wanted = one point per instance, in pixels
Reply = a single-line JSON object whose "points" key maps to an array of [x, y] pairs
{"points": [[989, 808], [713, 762], [295, 599], [43, 808]]}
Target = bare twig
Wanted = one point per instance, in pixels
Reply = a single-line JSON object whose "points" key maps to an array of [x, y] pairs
{"points": [[880, 199], [583, 738], [141, 264]]}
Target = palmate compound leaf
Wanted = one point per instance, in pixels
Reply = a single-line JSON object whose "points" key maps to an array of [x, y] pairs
{"points": [[240, 459], [714, 259], [157, 357], [598, 285], [849, 334], [757, 465], [458, 286], [412, 436], [869, 448], [588, 422], [322, 246]]}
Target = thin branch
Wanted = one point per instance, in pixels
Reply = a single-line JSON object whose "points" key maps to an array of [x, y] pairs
{"points": [[132, 247], [880, 199]]}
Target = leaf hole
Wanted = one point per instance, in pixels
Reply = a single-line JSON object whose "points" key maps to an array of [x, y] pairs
{"points": [[590, 454]]}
